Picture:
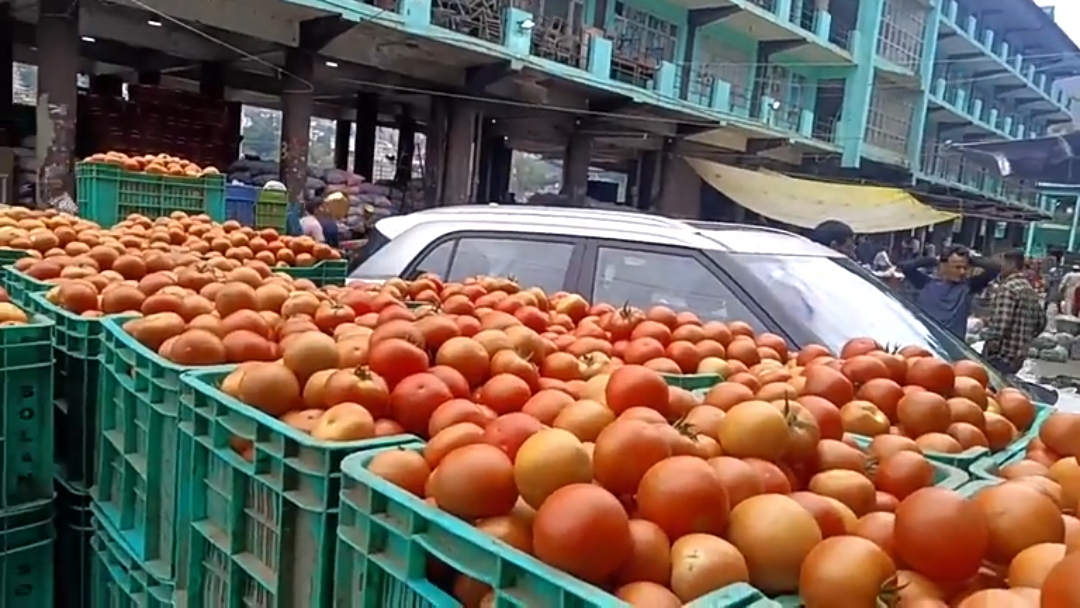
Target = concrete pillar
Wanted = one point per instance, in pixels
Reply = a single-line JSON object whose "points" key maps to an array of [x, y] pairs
{"points": [[859, 82], [367, 122], [296, 106], [926, 75], [680, 189], [575, 167], [1014, 235], [648, 181], [8, 136], [58, 70], [460, 144], [406, 147], [212, 79], [342, 139], [435, 152]]}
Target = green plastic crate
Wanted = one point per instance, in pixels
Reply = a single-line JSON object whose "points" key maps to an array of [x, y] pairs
{"points": [[386, 535], [697, 384], [271, 208], [977, 460], [327, 272], [10, 256], [263, 528], [72, 573], [26, 413], [987, 468], [139, 452], [77, 351], [118, 580], [107, 194], [19, 286], [26, 556]]}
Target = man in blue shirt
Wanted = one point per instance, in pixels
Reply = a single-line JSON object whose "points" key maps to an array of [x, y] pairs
{"points": [[947, 295]]}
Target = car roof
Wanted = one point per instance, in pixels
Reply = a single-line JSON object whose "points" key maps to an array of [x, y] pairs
{"points": [[628, 225]]}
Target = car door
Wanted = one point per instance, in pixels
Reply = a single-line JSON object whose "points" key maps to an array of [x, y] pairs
{"points": [[619, 272], [551, 262]]}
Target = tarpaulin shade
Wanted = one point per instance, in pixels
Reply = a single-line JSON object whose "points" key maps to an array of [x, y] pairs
{"points": [[806, 203]]}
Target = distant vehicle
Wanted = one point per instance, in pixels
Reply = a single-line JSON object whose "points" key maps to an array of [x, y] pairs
{"points": [[774, 280]]}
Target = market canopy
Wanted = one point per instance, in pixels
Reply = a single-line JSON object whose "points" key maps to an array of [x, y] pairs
{"points": [[806, 203]]}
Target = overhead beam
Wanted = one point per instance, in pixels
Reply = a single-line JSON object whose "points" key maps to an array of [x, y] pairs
{"points": [[701, 17], [479, 78], [317, 33], [769, 48], [108, 51], [986, 73], [1006, 89]]}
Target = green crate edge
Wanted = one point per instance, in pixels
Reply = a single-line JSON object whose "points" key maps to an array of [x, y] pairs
{"points": [[203, 380], [986, 468], [10, 255], [19, 285], [106, 539], [66, 322], [354, 466], [973, 460]]}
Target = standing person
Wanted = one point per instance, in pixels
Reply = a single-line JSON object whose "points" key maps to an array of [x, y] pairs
{"points": [[835, 234], [947, 295], [1069, 284], [1016, 317], [318, 224]]}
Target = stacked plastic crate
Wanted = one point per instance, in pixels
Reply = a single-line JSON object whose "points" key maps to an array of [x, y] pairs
{"points": [[27, 534]]}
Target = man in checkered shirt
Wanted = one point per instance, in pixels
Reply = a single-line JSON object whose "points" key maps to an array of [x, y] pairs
{"points": [[1017, 316]]}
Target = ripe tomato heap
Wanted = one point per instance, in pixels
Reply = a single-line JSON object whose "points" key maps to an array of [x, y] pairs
{"points": [[11, 314]]}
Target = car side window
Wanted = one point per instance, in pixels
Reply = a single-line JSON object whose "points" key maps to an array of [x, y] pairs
{"points": [[534, 263], [645, 279], [437, 260]]}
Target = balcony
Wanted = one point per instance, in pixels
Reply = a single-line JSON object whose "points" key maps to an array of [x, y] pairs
{"points": [[950, 168], [956, 101], [809, 35], [987, 56]]}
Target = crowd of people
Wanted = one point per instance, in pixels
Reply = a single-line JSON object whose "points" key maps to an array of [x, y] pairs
{"points": [[945, 286]]}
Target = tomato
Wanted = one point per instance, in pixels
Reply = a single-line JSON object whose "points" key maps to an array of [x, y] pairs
{"points": [[1018, 516], [504, 393], [682, 495], [864, 368], [755, 429], [902, 473], [508, 432], [828, 518], [844, 570], [270, 387], [940, 534], [634, 385], [331, 314], [584, 418], [649, 559], [826, 382], [625, 451], [1031, 566], [932, 374], [457, 383], [727, 395], [858, 346], [583, 530], [754, 528], [414, 400], [404, 468], [546, 404], [827, 416], [467, 356], [851, 488], [449, 439], [456, 411], [882, 392], [548, 460], [395, 359], [703, 563], [774, 480], [474, 481], [359, 385], [877, 527], [1059, 589], [648, 595]]}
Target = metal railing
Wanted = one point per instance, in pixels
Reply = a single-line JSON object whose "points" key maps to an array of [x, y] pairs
{"points": [[951, 166]]}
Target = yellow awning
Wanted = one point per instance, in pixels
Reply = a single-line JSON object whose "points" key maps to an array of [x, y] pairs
{"points": [[806, 203]]}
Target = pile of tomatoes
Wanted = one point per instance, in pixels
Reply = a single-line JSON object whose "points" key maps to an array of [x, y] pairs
{"points": [[550, 424], [11, 314], [62, 246]]}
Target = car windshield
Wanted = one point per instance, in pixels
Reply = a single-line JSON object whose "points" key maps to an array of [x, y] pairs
{"points": [[836, 300]]}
